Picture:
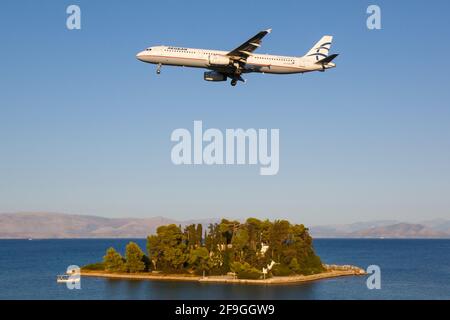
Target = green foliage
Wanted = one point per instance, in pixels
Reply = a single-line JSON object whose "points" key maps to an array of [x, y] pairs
{"points": [[134, 258], [240, 242], [254, 230], [175, 257], [199, 231], [245, 271], [99, 266], [311, 264], [229, 245], [281, 270], [154, 255], [113, 261], [167, 250], [199, 260], [294, 266], [147, 263]]}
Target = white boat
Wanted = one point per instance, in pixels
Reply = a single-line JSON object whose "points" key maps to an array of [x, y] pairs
{"points": [[66, 278]]}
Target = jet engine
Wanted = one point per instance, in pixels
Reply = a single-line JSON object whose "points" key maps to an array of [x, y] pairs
{"points": [[214, 76], [217, 60]]}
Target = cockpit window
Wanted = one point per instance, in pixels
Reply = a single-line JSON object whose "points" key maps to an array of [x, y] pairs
{"points": [[148, 49]]}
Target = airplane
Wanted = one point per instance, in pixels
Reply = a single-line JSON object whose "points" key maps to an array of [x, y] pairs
{"points": [[232, 64]]}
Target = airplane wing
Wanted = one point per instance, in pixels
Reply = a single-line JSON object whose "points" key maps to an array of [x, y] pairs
{"points": [[245, 50]]}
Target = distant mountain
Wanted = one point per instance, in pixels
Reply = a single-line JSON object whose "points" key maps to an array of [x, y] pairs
{"points": [[56, 225], [400, 230], [344, 230], [385, 229], [44, 225], [441, 225]]}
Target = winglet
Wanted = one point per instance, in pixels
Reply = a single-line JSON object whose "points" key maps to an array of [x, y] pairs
{"points": [[269, 30]]}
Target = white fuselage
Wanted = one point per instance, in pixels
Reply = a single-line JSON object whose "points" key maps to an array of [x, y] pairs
{"points": [[216, 60]]}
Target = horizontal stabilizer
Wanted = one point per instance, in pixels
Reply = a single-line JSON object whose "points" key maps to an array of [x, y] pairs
{"points": [[327, 59]]}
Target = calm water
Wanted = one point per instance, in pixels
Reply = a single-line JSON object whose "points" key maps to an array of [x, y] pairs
{"points": [[411, 269]]}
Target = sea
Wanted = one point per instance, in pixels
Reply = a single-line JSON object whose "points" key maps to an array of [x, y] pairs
{"points": [[409, 269]]}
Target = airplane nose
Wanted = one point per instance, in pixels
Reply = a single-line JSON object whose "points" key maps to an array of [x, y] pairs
{"points": [[140, 56]]}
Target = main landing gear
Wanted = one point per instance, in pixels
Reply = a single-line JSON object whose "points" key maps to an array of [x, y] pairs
{"points": [[158, 69], [233, 82]]}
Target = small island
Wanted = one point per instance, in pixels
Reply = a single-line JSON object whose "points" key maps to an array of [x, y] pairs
{"points": [[254, 252]]}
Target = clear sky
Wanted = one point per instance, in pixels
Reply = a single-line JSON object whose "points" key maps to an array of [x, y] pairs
{"points": [[85, 127]]}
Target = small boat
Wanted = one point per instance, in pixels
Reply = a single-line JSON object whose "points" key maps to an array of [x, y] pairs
{"points": [[66, 278]]}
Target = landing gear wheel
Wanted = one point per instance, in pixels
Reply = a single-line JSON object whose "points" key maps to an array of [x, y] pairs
{"points": [[158, 69], [233, 82]]}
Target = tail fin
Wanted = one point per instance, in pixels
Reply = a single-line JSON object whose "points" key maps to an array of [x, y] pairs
{"points": [[321, 48]]}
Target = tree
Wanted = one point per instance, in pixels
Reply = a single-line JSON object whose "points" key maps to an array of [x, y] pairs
{"points": [[199, 259], [278, 234], [175, 258], [254, 227], [167, 249], [199, 235], [294, 266], [113, 261], [134, 258], [239, 242], [228, 229], [214, 238], [224, 246], [154, 250], [191, 236]]}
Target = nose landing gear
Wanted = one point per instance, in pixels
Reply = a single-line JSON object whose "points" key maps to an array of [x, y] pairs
{"points": [[158, 69], [235, 79]]}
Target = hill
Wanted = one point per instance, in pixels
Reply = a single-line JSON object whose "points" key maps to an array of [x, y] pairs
{"points": [[40, 225]]}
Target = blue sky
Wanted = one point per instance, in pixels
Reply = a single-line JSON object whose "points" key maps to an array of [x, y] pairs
{"points": [[85, 127]]}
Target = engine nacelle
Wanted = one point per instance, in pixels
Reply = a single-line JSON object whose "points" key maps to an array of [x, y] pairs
{"points": [[214, 76], [217, 60]]}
